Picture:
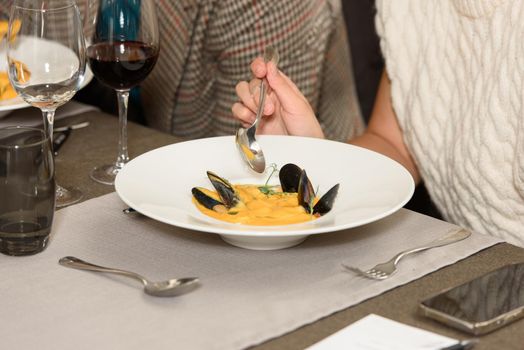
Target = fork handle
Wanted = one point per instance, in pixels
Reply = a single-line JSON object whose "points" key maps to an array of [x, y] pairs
{"points": [[452, 237]]}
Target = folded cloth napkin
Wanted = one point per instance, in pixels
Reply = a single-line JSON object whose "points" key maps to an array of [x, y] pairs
{"points": [[246, 297], [32, 116], [375, 332]]}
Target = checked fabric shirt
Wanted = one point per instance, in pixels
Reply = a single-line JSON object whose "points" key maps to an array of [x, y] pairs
{"points": [[207, 47]]}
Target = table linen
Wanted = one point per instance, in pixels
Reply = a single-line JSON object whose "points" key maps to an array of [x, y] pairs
{"points": [[362, 335], [31, 116], [246, 297]]}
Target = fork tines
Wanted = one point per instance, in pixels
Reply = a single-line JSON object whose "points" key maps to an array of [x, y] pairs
{"points": [[372, 273]]}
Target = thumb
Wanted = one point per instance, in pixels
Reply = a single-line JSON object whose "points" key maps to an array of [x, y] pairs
{"points": [[258, 67], [287, 93]]}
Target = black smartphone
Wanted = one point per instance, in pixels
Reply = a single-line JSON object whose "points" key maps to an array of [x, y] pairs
{"points": [[483, 304]]}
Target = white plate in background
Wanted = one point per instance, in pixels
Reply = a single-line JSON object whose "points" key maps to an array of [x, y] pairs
{"points": [[6, 106]]}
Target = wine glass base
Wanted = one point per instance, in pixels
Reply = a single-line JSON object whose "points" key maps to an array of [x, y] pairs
{"points": [[105, 174], [67, 196]]}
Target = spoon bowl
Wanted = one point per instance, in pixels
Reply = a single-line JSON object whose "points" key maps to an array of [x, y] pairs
{"points": [[245, 140], [250, 150], [167, 288], [172, 287]]}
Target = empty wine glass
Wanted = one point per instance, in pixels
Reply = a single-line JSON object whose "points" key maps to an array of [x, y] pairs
{"points": [[46, 61], [122, 49]]}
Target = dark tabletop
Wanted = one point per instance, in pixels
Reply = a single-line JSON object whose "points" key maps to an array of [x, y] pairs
{"points": [[97, 144]]}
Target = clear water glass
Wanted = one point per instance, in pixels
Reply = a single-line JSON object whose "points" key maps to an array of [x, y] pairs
{"points": [[46, 61]]}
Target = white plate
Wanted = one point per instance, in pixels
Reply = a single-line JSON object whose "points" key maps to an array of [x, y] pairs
{"points": [[158, 184], [6, 106]]}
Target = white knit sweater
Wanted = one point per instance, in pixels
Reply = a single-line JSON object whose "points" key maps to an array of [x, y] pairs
{"points": [[456, 70]]}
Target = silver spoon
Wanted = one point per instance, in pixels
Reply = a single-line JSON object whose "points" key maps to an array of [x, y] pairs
{"points": [[247, 145], [168, 288]]}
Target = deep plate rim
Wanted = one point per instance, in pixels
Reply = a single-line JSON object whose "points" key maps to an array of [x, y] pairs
{"points": [[222, 228]]}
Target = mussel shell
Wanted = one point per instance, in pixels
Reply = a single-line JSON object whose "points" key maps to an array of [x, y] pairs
{"points": [[224, 189], [306, 193], [207, 201], [289, 176], [325, 203]]}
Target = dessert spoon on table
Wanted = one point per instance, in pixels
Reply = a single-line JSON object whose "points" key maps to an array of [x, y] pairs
{"points": [[167, 288], [245, 140]]}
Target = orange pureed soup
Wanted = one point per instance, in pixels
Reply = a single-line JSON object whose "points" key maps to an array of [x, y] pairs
{"points": [[258, 208], [292, 202]]}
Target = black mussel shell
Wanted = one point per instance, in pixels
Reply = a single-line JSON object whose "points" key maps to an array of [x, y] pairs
{"points": [[325, 203], [224, 189], [289, 176], [206, 201], [306, 193]]}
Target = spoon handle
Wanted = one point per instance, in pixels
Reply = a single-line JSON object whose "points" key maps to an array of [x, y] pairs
{"points": [[262, 99], [75, 263], [270, 54]]}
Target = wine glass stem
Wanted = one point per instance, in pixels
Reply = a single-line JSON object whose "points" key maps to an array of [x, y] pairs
{"points": [[123, 157], [49, 120]]}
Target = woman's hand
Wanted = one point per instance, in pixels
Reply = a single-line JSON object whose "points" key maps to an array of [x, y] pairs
{"points": [[286, 110]]}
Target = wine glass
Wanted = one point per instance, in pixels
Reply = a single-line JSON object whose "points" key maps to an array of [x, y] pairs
{"points": [[46, 61], [122, 48]]}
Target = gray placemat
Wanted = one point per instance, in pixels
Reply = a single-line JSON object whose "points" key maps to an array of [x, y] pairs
{"points": [[246, 296]]}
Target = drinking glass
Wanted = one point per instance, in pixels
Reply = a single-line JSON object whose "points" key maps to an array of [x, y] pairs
{"points": [[46, 61], [27, 189], [122, 48]]}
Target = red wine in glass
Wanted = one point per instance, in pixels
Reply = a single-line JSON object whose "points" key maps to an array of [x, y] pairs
{"points": [[122, 64], [123, 49]]}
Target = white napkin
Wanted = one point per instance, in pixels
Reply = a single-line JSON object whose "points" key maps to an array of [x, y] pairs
{"points": [[375, 332], [32, 116]]}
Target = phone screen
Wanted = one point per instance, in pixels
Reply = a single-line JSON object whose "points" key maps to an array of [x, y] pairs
{"points": [[485, 297]]}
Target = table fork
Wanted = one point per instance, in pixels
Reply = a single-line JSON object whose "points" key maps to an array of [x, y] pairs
{"points": [[385, 270]]}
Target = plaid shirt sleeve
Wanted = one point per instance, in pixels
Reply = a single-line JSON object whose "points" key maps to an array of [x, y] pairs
{"points": [[208, 45]]}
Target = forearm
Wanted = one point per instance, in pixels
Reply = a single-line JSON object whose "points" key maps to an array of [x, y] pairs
{"points": [[384, 134]]}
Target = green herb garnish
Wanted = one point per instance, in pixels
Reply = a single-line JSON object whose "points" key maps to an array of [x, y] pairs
{"points": [[267, 189]]}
